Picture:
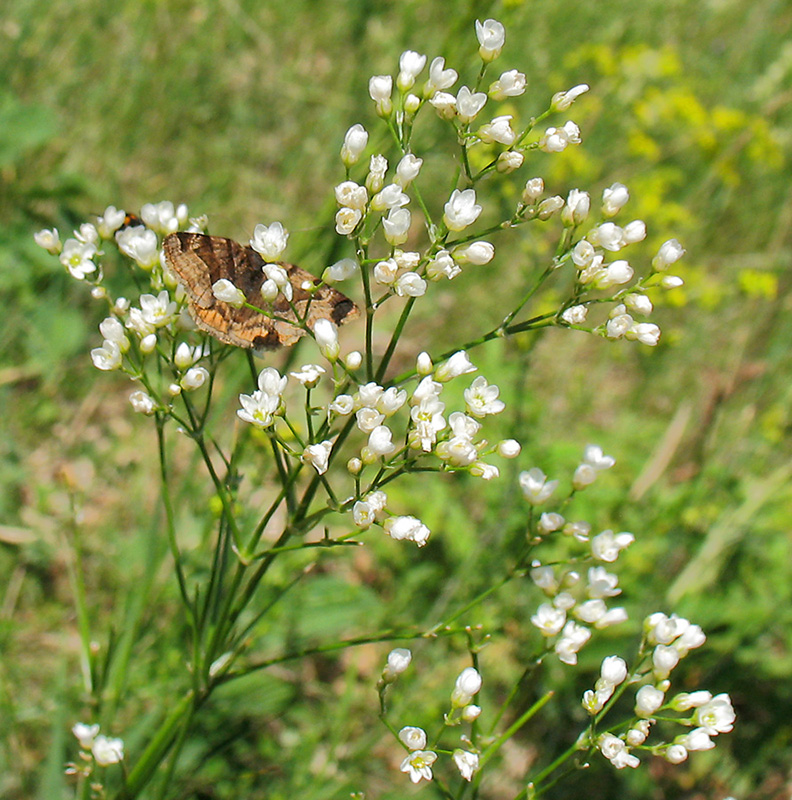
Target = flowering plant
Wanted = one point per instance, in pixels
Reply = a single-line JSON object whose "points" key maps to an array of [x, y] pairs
{"points": [[340, 431]]}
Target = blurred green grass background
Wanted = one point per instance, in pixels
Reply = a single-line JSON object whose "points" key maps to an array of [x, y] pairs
{"points": [[238, 108]]}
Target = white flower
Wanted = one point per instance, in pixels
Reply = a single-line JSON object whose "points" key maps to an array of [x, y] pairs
{"points": [[158, 310], [481, 399], [269, 241], [467, 763], [670, 252], [545, 578], [467, 684], [355, 141], [380, 441], [608, 235], [461, 210], [353, 360], [368, 395], [607, 545], [391, 400], [638, 303], [378, 166], [458, 364], [309, 375], [398, 661], [258, 408], [471, 713], [691, 638], [340, 271], [698, 739], [445, 104], [397, 226], [638, 734], [407, 169], [107, 751], [49, 240], [634, 231], [419, 765], [491, 35], [386, 272], [577, 207], [534, 187], [318, 456], [716, 716], [478, 253], [555, 140], [423, 364], [148, 344], [535, 486], [594, 456], [549, 619], [647, 700], [85, 733], [407, 527], [142, 402], [684, 700], [140, 244], [572, 638], [676, 754], [615, 750], [510, 84], [428, 419], [550, 521], [226, 292], [645, 332], [164, 217], [602, 583], [575, 315], [351, 195], [380, 89], [271, 382], [594, 701], [194, 378], [613, 670], [346, 220], [409, 284], [87, 233], [439, 77], [442, 266], [616, 274], [591, 611], [508, 448], [413, 738], [113, 331], [614, 198], [563, 100], [326, 335], [467, 103], [363, 514], [509, 161], [549, 206], [499, 130], [410, 65], [76, 257], [107, 357], [619, 323]]}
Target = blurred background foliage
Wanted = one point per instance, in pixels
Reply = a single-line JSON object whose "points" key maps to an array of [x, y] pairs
{"points": [[238, 108]]}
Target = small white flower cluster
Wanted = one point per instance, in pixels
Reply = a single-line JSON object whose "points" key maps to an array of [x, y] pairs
{"points": [[672, 637], [574, 606], [419, 761], [588, 255], [454, 440], [96, 749]]}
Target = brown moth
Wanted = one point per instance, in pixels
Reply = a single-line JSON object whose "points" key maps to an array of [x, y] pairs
{"points": [[200, 261]]}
